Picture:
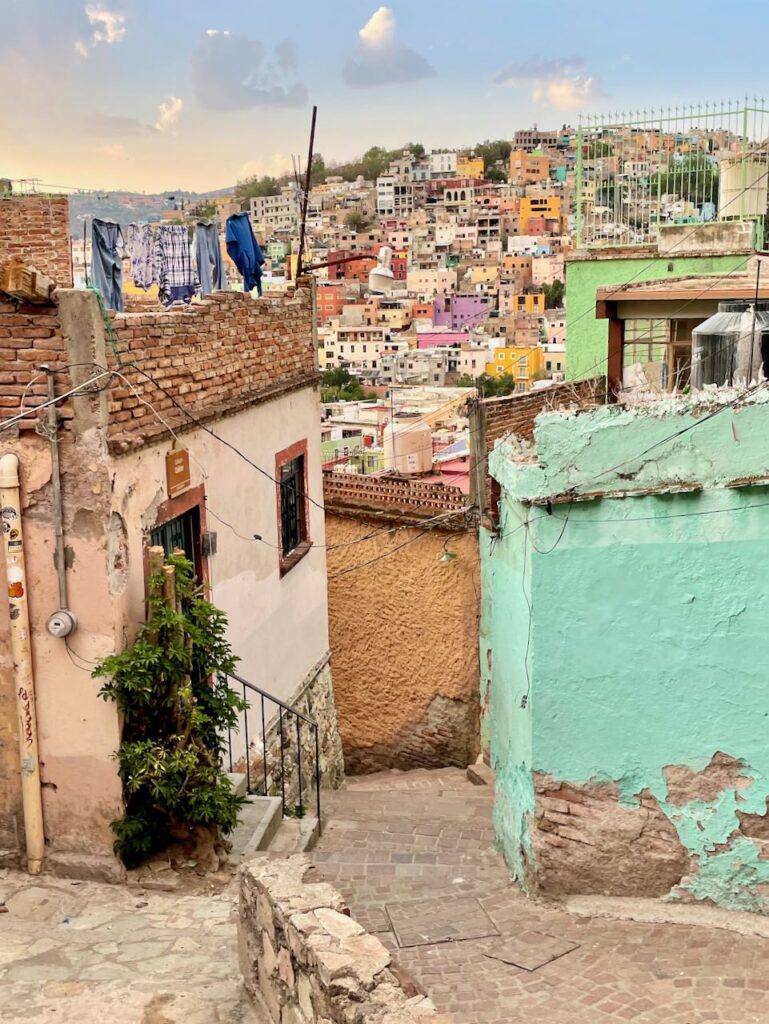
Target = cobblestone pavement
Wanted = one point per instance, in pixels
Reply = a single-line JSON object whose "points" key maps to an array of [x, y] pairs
{"points": [[412, 855], [84, 951]]}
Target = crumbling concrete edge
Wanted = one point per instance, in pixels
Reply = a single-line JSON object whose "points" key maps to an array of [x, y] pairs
{"points": [[304, 959], [651, 911]]}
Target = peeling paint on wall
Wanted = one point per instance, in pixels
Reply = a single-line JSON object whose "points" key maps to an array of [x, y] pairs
{"points": [[638, 656], [117, 555]]}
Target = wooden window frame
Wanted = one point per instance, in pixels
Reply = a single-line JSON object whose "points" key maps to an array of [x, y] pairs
{"points": [[287, 562], [195, 497]]}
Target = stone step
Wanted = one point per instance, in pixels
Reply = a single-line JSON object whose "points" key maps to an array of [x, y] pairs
{"points": [[238, 783], [418, 779], [259, 819], [480, 774], [294, 835], [469, 812]]}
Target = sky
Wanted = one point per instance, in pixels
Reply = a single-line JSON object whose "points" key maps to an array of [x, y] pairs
{"points": [[153, 95]]}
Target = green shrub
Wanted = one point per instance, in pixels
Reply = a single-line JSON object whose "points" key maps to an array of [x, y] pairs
{"points": [[177, 708]]}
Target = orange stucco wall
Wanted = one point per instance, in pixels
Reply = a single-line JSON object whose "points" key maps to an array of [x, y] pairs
{"points": [[404, 646]]}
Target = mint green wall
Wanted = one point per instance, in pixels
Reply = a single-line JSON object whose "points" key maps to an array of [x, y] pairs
{"points": [[586, 337], [503, 609], [646, 634]]}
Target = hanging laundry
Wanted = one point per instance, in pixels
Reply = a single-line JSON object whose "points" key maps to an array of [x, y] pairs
{"points": [[244, 251], [107, 262], [177, 280], [208, 259], [141, 252]]}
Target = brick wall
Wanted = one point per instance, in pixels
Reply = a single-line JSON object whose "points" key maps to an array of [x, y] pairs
{"points": [[214, 358], [421, 497], [492, 418], [516, 413], [36, 229], [29, 336]]}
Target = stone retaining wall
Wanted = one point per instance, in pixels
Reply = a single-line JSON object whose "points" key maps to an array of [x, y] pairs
{"points": [[305, 961]]}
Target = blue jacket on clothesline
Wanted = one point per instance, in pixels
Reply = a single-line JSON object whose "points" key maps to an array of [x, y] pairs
{"points": [[244, 251]]}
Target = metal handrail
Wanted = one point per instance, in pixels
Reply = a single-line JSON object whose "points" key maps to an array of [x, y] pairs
{"points": [[275, 700], [283, 709]]}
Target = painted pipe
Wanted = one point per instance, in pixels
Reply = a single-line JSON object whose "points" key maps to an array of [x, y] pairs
{"points": [[21, 648]]}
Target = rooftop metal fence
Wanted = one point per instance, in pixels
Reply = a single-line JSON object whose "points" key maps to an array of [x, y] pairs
{"points": [[680, 165]]}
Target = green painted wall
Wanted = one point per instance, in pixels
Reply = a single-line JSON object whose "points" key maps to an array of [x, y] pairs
{"points": [[645, 636], [503, 608], [587, 338]]}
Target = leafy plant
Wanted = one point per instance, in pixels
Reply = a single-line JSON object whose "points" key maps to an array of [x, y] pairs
{"points": [[339, 385], [176, 706]]}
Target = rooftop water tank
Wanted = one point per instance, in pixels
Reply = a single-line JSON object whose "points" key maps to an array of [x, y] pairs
{"points": [[728, 347], [742, 191], [408, 448]]}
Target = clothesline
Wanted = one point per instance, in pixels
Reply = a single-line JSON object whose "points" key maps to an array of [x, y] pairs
{"points": [[163, 255]]}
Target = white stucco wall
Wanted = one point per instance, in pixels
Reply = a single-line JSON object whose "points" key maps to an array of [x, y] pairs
{"points": [[277, 626]]}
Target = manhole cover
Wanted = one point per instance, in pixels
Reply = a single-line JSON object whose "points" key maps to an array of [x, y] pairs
{"points": [[531, 950], [425, 922]]}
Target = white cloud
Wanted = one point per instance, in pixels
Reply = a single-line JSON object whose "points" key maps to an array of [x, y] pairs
{"points": [[168, 113], [379, 30], [233, 72], [562, 83], [81, 47], [109, 26], [380, 58]]}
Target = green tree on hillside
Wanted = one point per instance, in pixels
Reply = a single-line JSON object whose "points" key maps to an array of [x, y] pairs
{"points": [[251, 188], [554, 294], [493, 152], [356, 221], [339, 385], [693, 177]]}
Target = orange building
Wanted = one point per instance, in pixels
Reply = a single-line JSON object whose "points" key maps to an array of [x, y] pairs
{"points": [[331, 299], [547, 207], [529, 168]]}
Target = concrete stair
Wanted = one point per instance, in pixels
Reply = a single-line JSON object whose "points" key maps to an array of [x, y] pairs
{"points": [[262, 828]]}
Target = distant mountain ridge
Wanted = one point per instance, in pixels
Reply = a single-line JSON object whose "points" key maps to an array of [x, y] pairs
{"points": [[125, 207]]}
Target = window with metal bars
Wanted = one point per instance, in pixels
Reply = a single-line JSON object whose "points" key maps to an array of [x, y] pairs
{"points": [[180, 534], [292, 517]]}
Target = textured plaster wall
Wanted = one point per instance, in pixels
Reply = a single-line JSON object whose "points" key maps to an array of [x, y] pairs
{"points": [[277, 625], [404, 646], [588, 337], [614, 450], [77, 731], [648, 704]]}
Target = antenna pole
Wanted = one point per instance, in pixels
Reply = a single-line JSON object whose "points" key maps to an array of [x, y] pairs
{"points": [[306, 197]]}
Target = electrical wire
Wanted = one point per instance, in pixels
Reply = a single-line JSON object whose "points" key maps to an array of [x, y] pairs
{"points": [[10, 421]]}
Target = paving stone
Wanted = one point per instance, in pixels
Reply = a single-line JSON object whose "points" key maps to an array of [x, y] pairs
{"points": [[163, 959], [426, 922], [620, 971], [531, 950]]}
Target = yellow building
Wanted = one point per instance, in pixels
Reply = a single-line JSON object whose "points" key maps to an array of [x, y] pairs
{"points": [[523, 362], [532, 207], [484, 275], [529, 302], [469, 166]]}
